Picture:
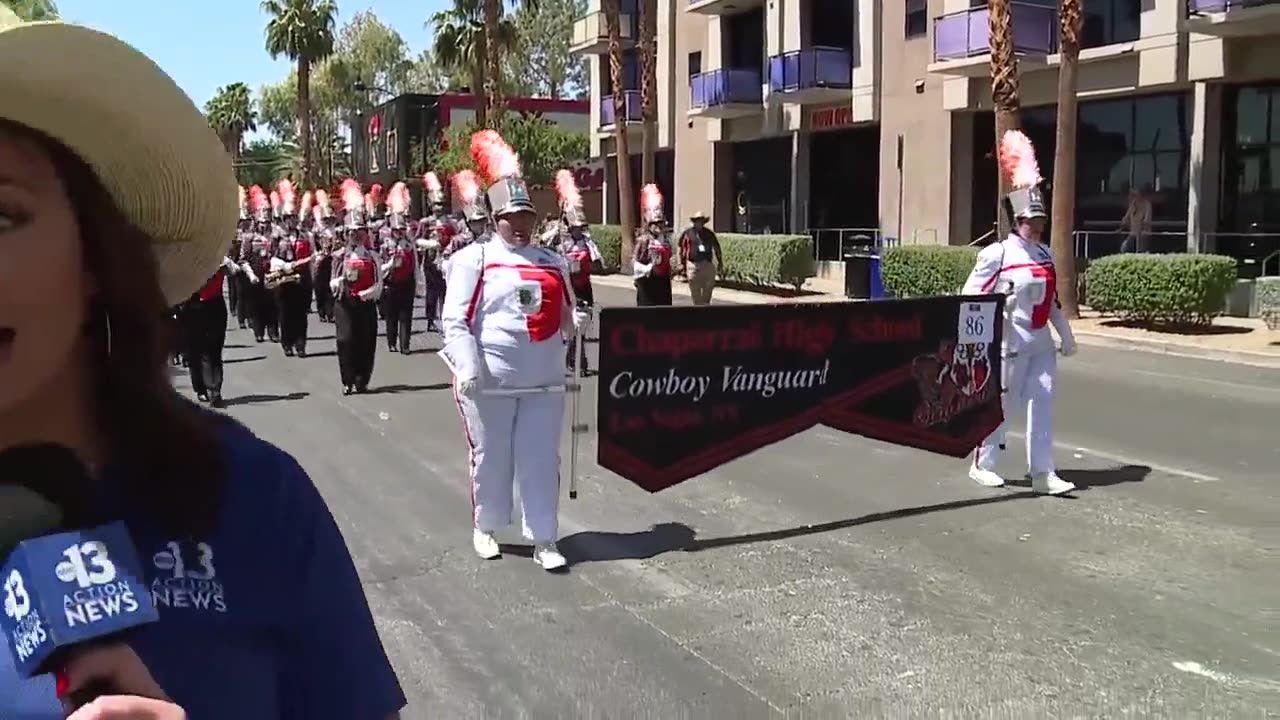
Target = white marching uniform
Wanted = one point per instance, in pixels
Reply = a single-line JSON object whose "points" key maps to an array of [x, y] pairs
{"points": [[506, 313], [1023, 270]]}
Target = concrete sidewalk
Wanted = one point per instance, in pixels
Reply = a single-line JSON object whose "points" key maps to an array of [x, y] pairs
{"points": [[1241, 341]]}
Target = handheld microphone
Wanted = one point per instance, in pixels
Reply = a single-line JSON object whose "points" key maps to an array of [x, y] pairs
{"points": [[64, 589]]}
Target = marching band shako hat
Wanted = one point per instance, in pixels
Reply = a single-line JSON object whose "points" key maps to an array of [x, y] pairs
{"points": [[354, 219], [433, 191], [1018, 160], [570, 200], [651, 206], [145, 140], [467, 187], [507, 193]]}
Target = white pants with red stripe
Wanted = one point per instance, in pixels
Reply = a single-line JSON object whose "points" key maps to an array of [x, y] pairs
{"points": [[516, 439], [1029, 378]]}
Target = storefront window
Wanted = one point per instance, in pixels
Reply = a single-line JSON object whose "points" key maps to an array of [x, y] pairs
{"points": [[1251, 197]]}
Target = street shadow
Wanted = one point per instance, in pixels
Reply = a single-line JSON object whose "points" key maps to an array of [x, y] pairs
{"points": [[1102, 477], [595, 546], [233, 361], [323, 353], [771, 290], [319, 337], [396, 389], [235, 346], [423, 351], [1174, 329], [256, 399]]}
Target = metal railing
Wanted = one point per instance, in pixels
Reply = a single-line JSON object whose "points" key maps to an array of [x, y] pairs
{"points": [[631, 108], [811, 67], [831, 244], [967, 33], [592, 28], [726, 86], [1201, 7]]}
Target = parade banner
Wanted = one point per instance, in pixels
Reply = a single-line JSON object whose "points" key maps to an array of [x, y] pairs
{"points": [[683, 390]]}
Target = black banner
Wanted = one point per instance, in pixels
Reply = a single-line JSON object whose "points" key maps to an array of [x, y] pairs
{"points": [[683, 390]]}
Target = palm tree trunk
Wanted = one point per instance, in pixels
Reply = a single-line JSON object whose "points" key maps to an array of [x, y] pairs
{"points": [[627, 199], [648, 88], [478, 76], [1064, 162], [493, 62], [1004, 92], [304, 115]]}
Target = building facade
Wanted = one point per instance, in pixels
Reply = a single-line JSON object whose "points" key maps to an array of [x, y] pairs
{"points": [[860, 117]]}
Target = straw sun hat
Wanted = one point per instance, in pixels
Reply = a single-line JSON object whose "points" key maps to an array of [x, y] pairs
{"points": [[145, 139]]}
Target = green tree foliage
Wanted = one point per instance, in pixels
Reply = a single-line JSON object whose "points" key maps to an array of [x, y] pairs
{"points": [[230, 113], [544, 31], [265, 161], [543, 146], [33, 10]]}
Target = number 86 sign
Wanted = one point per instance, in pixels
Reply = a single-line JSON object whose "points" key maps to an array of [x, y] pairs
{"points": [[977, 323]]}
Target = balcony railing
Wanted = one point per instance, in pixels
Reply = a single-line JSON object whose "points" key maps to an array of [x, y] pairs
{"points": [[592, 28], [1200, 7], [967, 33], [727, 86], [631, 108], [814, 67]]}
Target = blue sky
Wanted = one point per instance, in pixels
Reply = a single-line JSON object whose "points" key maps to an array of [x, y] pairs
{"points": [[207, 44]]}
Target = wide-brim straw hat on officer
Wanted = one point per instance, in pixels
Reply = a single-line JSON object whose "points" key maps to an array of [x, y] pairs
{"points": [[146, 141]]}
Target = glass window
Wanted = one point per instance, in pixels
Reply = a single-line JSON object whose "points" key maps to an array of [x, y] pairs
{"points": [[1161, 123], [695, 63], [1251, 116], [1171, 170], [1107, 124], [1248, 173], [1275, 115], [1273, 173], [917, 20]]}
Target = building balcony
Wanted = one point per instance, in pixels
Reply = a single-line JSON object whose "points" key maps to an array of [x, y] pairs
{"points": [[962, 40], [1233, 18], [591, 34], [726, 93], [721, 7], [812, 75], [631, 110]]}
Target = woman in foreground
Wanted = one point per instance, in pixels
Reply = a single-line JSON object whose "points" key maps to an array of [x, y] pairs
{"points": [[115, 195]]}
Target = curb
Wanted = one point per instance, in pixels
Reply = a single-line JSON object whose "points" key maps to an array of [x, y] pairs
{"points": [[1118, 342]]}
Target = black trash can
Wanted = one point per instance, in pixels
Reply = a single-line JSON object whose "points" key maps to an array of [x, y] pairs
{"points": [[857, 269]]}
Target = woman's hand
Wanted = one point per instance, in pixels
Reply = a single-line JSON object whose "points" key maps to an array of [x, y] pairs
{"points": [[129, 707]]}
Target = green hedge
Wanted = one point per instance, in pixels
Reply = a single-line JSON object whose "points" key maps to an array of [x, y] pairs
{"points": [[1161, 289], [925, 270], [760, 260], [1269, 301]]}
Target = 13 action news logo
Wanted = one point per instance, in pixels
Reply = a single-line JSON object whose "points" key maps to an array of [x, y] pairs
{"points": [[101, 594], [193, 586], [29, 632]]}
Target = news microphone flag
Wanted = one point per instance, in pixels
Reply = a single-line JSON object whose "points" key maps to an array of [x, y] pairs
{"points": [[70, 588]]}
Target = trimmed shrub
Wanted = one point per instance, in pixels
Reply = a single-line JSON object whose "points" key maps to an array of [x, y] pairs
{"points": [[925, 270], [760, 260], [1174, 289], [1269, 301]]}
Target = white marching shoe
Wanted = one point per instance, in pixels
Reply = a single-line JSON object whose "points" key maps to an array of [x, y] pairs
{"points": [[485, 544], [548, 557], [1050, 484], [985, 478]]}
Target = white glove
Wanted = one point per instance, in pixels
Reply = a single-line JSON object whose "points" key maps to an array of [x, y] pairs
{"points": [[468, 388], [253, 277], [581, 318], [367, 295], [1068, 345], [335, 284]]}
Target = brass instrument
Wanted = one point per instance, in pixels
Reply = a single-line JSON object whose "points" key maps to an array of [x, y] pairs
{"points": [[281, 277]]}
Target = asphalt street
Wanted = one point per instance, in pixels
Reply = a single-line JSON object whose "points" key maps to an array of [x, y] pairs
{"points": [[828, 576]]}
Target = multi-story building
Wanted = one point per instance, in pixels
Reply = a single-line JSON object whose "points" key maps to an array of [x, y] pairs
{"points": [[862, 116]]}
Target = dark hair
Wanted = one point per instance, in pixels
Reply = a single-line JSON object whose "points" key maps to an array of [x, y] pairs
{"points": [[170, 449]]}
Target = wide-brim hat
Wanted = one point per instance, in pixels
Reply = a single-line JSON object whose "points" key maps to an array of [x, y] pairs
{"points": [[147, 142], [699, 215]]}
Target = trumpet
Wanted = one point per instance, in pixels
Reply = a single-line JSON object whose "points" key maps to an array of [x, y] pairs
{"points": [[281, 277]]}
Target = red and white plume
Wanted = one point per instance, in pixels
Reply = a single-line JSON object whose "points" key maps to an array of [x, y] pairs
{"points": [[494, 156], [431, 183], [352, 195], [317, 213], [322, 201], [258, 199], [288, 196], [244, 200], [567, 189], [650, 197], [398, 198], [304, 208], [466, 185], [1018, 160], [275, 202]]}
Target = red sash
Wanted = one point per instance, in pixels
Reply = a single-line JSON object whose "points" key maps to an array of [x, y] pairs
{"points": [[359, 273], [213, 288], [301, 249], [579, 258], [402, 265]]}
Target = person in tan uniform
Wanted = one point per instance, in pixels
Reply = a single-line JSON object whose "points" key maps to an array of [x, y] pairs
{"points": [[701, 260]]}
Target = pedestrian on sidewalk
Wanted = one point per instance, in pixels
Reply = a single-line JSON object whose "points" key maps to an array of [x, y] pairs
{"points": [[701, 260], [651, 265]]}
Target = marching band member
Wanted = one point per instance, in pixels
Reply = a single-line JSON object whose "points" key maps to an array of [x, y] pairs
{"points": [[581, 255], [432, 195], [233, 252], [322, 268], [356, 285], [474, 214], [507, 306], [652, 261], [290, 264], [1022, 268], [202, 322], [255, 261], [400, 272], [435, 235]]}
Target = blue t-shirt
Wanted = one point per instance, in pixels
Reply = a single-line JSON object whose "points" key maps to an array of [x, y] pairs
{"points": [[263, 620]]}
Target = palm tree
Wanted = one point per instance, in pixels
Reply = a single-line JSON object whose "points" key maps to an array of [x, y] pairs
{"points": [[33, 10], [648, 88], [626, 198], [303, 31], [1064, 159], [1004, 89], [231, 115], [460, 45]]}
